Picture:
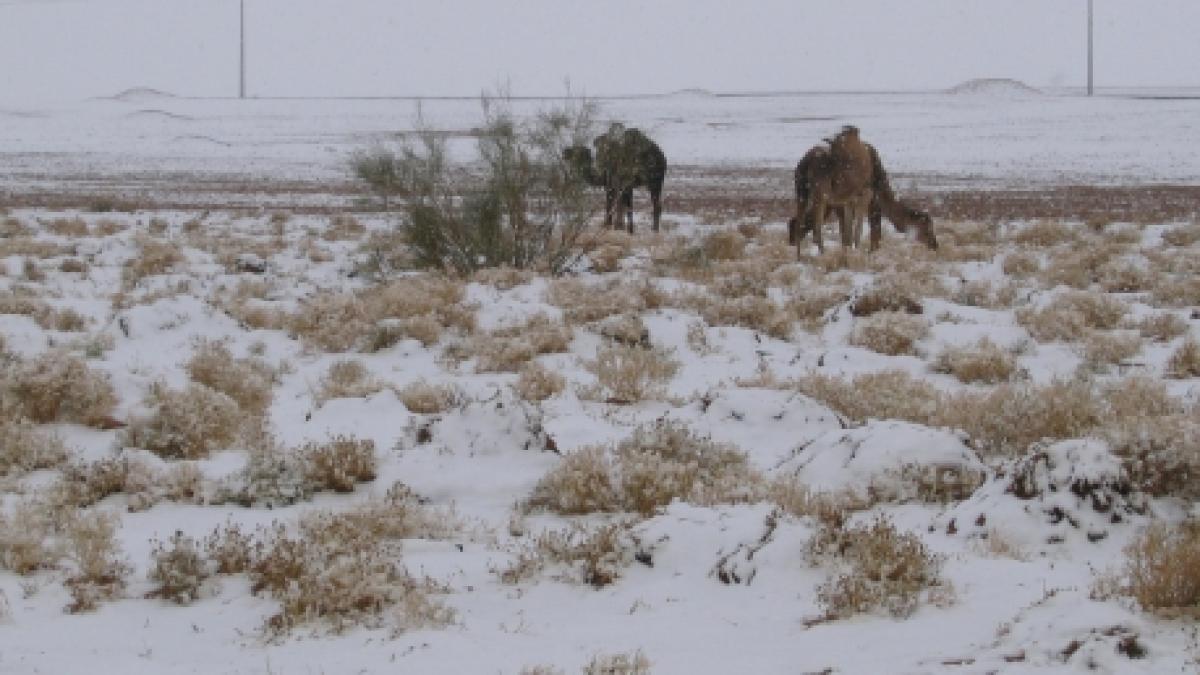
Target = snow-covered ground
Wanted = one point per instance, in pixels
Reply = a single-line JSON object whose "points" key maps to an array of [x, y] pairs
{"points": [[716, 586]]}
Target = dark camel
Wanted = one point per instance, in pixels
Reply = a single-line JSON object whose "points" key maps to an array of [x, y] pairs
{"points": [[625, 159], [848, 178]]}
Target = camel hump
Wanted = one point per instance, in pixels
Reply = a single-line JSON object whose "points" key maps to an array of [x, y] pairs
{"points": [[847, 149]]}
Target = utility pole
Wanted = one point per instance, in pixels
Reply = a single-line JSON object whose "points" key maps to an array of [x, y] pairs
{"points": [[1090, 47], [242, 53]]}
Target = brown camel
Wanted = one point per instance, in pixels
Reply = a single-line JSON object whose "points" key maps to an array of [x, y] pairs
{"points": [[848, 178], [625, 159]]}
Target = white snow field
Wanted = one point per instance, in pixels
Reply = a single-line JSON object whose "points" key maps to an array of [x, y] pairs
{"points": [[1018, 468]]}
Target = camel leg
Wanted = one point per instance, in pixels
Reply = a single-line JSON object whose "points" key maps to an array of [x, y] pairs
{"points": [[656, 203], [798, 227], [925, 235], [875, 218], [814, 216], [846, 225], [858, 214], [627, 204]]}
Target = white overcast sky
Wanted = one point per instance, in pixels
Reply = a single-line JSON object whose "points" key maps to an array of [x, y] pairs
{"points": [[72, 49]]}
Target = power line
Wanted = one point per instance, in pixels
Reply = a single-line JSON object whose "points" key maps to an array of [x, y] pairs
{"points": [[16, 3], [242, 54], [1089, 47]]}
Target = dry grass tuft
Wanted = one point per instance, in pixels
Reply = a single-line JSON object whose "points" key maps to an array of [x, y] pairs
{"points": [[594, 556], [582, 483], [1160, 452], [1021, 264], [422, 297], [178, 569], [25, 448], [656, 465], [748, 311], [724, 245], [503, 278], [1045, 233], [153, 258], [630, 663], [631, 374], [1124, 275], [27, 537], [984, 363], [1162, 569], [1162, 327], [1006, 420], [66, 227], [585, 303], [889, 394], [829, 509], [12, 227], [83, 484], [57, 387], [342, 570], [1183, 291], [331, 322], [886, 295], [1182, 237], [1102, 349], [418, 307], [538, 383], [891, 333], [810, 303], [424, 398], [188, 423], [986, 294], [508, 349], [247, 381], [339, 463], [1069, 315], [666, 461], [1139, 396], [272, 477], [343, 227], [230, 550], [881, 568], [36, 248], [347, 378], [32, 272], [607, 250], [1003, 421], [1185, 361], [98, 572]]}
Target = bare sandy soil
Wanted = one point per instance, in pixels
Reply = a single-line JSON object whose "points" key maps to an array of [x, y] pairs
{"points": [[763, 194]]}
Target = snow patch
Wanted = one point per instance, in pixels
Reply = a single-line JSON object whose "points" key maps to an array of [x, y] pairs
{"points": [[138, 94], [889, 460], [766, 424], [1069, 492], [995, 86], [155, 113]]}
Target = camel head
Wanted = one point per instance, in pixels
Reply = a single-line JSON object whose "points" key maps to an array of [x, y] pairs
{"points": [[924, 224], [579, 160]]}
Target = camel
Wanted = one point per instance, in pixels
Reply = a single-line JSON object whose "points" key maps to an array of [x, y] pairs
{"points": [[625, 159], [847, 178]]}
